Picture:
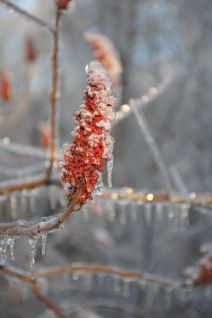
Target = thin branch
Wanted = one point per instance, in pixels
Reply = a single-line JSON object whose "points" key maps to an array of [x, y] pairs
{"points": [[28, 15], [54, 91], [14, 272], [153, 93], [34, 229], [144, 127], [45, 301], [23, 186], [87, 269], [192, 199], [92, 269], [35, 288], [177, 178]]}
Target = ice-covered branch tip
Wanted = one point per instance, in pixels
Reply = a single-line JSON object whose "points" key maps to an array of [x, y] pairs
{"points": [[84, 160], [63, 4], [106, 54]]}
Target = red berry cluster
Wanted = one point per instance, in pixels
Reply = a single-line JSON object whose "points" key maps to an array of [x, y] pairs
{"points": [[84, 160], [106, 54]]}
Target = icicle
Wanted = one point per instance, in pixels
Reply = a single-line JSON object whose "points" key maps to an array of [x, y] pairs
{"points": [[33, 203], [11, 242], [99, 186], [13, 204], [184, 215], [171, 212], [182, 295], [100, 280], [126, 289], [110, 163], [111, 212], [75, 276], [109, 171], [149, 297], [123, 214], [88, 281], [23, 200], [208, 292], [44, 239], [159, 211], [148, 213], [3, 250], [32, 243], [134, 211], [52, 197], [85, 214], [117, 286], [167, 299]]}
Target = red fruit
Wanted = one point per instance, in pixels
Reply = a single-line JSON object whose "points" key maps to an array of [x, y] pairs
{"points": [[44, 131], [85, 157], [5, 86], [31, 54], [63, 4]]}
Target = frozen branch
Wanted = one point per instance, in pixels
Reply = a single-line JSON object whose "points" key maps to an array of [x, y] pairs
{"points": [[19, 149], [28, 15], [17, 185], [144, 127], [45, 301], [35, 229], [192, 199], [144, 100], [35, 288], [87, 269], [92, 269], [178, 180]]}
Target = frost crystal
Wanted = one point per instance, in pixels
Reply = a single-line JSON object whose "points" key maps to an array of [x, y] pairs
{"points": [[84, 160]]}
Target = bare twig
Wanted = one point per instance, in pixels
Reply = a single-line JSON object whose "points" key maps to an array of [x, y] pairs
{"points": [[54, 91], [28, 15]]}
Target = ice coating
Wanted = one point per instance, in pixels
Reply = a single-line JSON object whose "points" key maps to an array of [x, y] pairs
{"points": [[84, 160], [106, 54]]}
